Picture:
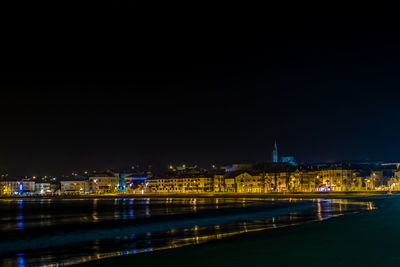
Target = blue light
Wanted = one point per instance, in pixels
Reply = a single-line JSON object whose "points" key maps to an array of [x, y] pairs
{"points": [[139, 178], [20, 218], [21, 261]]}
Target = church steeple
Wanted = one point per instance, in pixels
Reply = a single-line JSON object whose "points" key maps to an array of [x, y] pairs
{"points": [[275, 153]]}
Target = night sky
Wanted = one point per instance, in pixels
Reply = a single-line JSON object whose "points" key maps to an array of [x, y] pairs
{"points": [[200, 90]]}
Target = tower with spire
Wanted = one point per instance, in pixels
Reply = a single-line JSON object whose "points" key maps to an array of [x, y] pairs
{"points": [[275, 153]]}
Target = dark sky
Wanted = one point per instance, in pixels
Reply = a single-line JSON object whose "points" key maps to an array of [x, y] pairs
{"points": [[214, 85]]}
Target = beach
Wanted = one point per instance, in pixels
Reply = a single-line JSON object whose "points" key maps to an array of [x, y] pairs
{"points": [[368, 238]]}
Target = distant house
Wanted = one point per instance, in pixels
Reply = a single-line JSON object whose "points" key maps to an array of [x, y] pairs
{"points": [[219, 182], [248, 182], [10, 187], [278, 181], [103, 183], [136, 183], [195, 183], [17, 187], [338, 179], [43, 188], [74, 187]]}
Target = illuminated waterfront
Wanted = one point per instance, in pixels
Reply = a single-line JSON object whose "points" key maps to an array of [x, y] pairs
{"points": [[46, 231]]}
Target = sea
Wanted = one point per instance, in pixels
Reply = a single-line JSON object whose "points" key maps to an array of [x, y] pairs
{"points": [[62, 232]]}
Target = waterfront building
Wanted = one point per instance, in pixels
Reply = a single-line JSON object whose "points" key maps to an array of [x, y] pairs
{"points": [[230, 184], [17, 187], [74, 187], [306, 181], [282, 181], [182, 184], [160, 185], [219, 183], [394, 182], [278, 181], [247, 182], [380, 179], [43, 188], [10, 187], [136, 183], [338, 179], [103, 183], [28, 186], [376, 178]]}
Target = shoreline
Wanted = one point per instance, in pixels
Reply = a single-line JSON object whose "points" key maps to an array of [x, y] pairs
{"points": [[344, 240], [216, 195]]}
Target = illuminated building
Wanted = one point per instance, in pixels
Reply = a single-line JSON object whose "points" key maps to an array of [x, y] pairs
{"points": [[15, 187], [307, 181], [275, 158], [279, 181], [247, 182], [43, 188], [377, 180], [195, 180], [230, 184], [288, 159], [6, 187], [219, 183], [103, 183], [338, 180], [136, 183], [192, 184], [394, 182], [28, 186], [74, 187]]}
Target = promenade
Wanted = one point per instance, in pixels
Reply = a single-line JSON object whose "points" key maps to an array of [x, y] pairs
{"points": [[338, 194]]}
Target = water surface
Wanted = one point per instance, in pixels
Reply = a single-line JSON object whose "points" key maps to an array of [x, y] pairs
{"points": [[38, 232]]}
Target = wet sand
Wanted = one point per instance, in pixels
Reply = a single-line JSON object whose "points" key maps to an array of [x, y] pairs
{"points": [[369, 238]]}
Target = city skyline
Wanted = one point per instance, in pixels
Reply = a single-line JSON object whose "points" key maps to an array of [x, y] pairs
{"points": [[136, 167]]}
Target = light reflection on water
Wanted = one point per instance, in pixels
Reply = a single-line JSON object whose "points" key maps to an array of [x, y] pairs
{"points": [[31, 218]]}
